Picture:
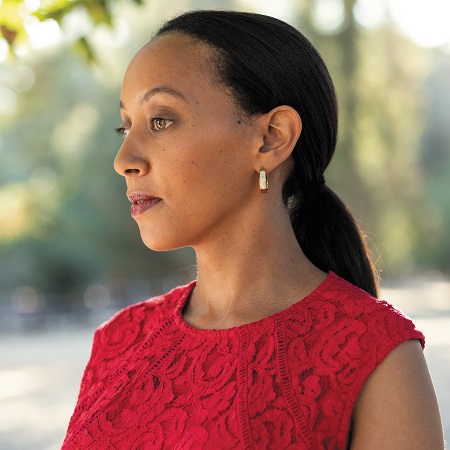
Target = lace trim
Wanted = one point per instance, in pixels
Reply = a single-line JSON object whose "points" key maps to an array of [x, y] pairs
{"points": [[244, 418], [287, 386], [204, 333]]}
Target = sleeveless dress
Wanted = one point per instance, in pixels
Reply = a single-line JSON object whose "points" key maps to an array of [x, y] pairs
{"points": [[288, 381]]}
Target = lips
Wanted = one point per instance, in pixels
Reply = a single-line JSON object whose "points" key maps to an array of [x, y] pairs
{"points": [[141, 203]]}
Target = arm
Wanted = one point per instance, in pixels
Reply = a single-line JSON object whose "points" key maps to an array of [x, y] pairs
{"points": [[397, 407]]}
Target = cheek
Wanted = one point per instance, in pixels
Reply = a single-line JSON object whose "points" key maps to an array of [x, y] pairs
{"points": [[199, 194], [215, 177], [207, 163], [202, 166]]}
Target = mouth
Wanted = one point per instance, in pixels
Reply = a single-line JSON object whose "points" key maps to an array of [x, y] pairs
{"points": [[141, 203]]}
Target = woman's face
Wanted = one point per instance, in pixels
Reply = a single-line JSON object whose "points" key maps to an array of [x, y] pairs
{"points": [[189, 153]]}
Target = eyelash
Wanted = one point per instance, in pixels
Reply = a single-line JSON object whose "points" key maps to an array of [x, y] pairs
{"points": [[124, 131]]}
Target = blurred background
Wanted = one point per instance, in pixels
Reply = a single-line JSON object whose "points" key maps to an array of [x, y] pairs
{"points": [[70, 254]]}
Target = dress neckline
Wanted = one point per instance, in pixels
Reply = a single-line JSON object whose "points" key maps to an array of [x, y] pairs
{"points": [[190, 329]]}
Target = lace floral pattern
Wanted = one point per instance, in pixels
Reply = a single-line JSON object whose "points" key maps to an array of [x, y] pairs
{"points": [[287, 381]]}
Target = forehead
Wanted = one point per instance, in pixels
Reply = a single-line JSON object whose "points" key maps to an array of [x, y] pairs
{"points": [[173, 59]]}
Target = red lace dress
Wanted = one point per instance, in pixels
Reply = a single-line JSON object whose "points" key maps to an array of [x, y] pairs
{"points": [[287, 381]]}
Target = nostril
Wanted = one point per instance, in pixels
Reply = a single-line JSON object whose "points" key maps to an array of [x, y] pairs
{"points": [[128, 164], [132, 171]]}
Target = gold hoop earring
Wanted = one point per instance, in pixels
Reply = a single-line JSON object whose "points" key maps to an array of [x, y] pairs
{"points": [[263, 181]]}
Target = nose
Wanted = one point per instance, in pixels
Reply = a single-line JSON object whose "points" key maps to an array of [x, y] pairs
{"points": [[128, 162]]}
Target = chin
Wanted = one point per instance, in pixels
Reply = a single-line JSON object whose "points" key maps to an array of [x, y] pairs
{"points": [[159, 243], [167, 235], [156, 245]]}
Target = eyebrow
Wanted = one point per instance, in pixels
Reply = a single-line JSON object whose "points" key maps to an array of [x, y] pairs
{"points": [[156, 90]]}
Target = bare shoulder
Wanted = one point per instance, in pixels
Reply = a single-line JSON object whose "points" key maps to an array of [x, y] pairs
{"points": [[397, 406]]}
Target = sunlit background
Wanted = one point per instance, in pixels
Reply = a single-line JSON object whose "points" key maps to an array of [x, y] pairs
{"points": [[70, 255]]}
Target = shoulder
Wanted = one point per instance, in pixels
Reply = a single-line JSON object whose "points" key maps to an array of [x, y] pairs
{"points": [[397, 406], [117, 340], [140, 318], [346, 333], [341, 306]]}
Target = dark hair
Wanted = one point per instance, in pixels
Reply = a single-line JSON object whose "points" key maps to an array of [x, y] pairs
{"points": [[266, 63]]}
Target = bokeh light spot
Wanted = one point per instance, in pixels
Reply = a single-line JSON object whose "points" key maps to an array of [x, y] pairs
{"points": [[96, 297], [27, 300]]}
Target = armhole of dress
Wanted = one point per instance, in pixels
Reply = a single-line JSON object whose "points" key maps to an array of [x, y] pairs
{"points": [[415, 335]]}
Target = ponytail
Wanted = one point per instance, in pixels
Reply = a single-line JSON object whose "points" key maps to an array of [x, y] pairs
{"points": [[331, 239], [265, 63]]}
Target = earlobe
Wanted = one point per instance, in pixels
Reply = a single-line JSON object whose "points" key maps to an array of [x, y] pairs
{"points": [[282, 128]]}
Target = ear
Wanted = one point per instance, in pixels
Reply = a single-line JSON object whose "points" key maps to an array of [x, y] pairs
{"points": [[281, 127]]}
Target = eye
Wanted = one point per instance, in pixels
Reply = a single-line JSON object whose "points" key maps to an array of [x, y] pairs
{"points": [[160, 124], [122, 132]]}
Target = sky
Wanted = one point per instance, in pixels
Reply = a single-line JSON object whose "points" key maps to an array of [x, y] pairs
{"points": [[427, 22]]}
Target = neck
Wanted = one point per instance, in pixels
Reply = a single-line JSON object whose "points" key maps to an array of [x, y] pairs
{"points": [[258, 269]]}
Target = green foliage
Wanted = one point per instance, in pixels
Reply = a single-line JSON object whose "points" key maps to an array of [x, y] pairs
{"points": [[435, 161], [15, 15]]}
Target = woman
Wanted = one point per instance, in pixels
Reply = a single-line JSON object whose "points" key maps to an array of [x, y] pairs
{"points": [[230, 121]]}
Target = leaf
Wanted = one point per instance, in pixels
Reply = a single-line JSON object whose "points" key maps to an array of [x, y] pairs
{"points": [[14, 13], [9, 16], [8, 34], [99, 14], [55, 12], [83, 47]]}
